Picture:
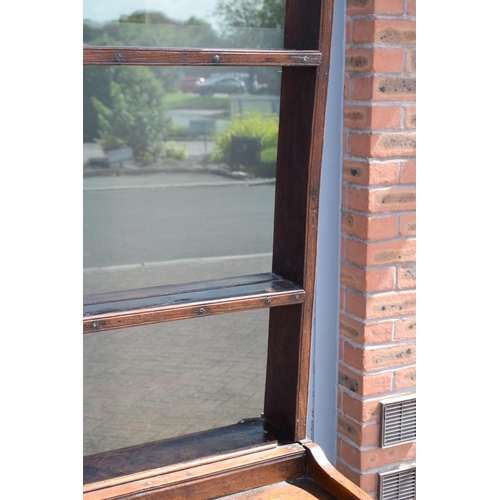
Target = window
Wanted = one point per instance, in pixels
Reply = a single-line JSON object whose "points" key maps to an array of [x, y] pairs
{"points": [[286, 290]]}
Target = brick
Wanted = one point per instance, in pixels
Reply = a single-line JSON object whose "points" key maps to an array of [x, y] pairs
{"points": [[379, 60], [342, 248], [371, 228], [359, 60], [395, 144], [387, 88], [382, 200], [407, 277], [383, 145], [346, 470], [347, 86], [374, 280], [408, 225], [391, 32], [362, 333], [380, 457], [375, 7], [411, 117], [362, 31], [357, 116], [348, 37], [408, 172], [388, 60], [355, 303], [411, 61], [385, 117], [362, 435], [345, 144], [362, 89], [365, 385], [377, 457], [412, 7], [363, 173], [406, 378], [380, 280], [360, 411], [389, 304], [380, 357], [406, 328], [360, 144], [380, 253], [344, 196]]}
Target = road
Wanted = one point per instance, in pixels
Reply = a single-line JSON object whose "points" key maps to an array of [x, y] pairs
{"points": [[174, 218]]}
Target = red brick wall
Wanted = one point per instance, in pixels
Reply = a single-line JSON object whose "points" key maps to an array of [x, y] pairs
{"points": [[378, 300]]}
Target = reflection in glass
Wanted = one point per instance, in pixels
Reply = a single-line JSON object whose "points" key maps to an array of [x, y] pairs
{"points": [[177, 23], [166, 380], [178, 186]]}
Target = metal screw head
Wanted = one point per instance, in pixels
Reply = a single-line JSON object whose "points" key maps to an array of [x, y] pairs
{"points": [[216, 58], [94, 324], [201, 310], [118, 57]]}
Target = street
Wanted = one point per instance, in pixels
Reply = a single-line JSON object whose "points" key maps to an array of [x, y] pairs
{"points": [[129, 226]]}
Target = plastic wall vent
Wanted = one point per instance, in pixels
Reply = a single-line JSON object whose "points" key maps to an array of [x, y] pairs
{"points": [[400, 484], [398, 421]]}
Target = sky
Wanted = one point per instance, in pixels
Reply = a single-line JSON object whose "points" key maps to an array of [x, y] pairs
{"points": [[181, 10]]}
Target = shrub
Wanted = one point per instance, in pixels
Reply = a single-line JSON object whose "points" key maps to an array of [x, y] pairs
{"points": [[257, 125], [269, 155], [174, 152]]}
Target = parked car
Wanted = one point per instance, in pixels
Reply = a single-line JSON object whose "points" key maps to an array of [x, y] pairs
{"points": [[189, 83], [223, 84]]}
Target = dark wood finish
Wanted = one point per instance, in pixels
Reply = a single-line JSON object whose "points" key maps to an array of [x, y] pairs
{"points": [[322, 471], [211, 480], [300, 147], [109, 311], [98, 56]]}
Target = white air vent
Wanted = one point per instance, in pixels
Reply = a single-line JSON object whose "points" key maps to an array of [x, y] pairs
{"points": [[398, 421], [400, 484]]}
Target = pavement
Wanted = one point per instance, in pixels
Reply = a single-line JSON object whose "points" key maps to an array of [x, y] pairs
{"points": [[159, 381]]}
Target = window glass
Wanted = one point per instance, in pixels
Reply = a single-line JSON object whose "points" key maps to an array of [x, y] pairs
{"points": [[179, 174], [160, 381], [177, 23]]}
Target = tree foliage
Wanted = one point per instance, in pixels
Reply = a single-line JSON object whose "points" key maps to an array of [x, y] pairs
{"points": [[135, 116]]}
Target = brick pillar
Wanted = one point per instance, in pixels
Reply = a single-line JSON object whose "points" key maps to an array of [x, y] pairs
{"points": [[377, 318]]}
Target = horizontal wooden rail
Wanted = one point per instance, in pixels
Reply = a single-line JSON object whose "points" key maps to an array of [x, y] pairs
{"points": [[110, 468], [104, 55], [110, 311]]}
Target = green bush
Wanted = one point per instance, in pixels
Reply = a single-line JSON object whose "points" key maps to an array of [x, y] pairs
{"points": [[255, 125], [269, 155], [174, 152]]}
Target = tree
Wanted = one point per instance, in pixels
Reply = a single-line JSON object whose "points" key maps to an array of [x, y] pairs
{"points": [[262, 21], [136, 115]]}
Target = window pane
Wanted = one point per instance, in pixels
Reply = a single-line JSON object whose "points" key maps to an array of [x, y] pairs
{"points": [[166, 380], [177, 23], [178, 187]]}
